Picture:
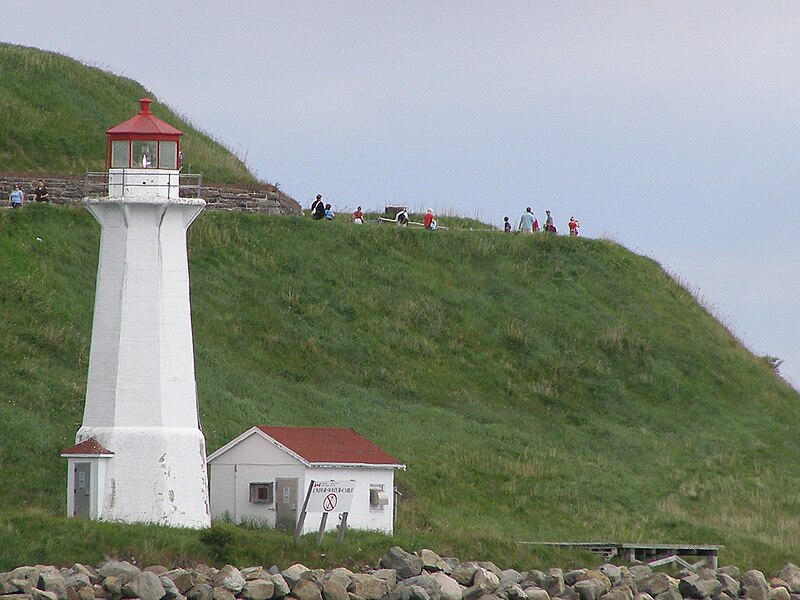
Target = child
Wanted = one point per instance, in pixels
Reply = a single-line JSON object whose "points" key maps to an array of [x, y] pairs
{"points": [[506, 225], [329, 213], [573, 227]]}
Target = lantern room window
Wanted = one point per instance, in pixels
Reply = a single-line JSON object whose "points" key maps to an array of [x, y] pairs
{"points": [[121, 154], [167, 155], [144, 154]]}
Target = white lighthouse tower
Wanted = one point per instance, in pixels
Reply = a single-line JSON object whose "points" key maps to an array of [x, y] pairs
{"points": [[140, 455]]}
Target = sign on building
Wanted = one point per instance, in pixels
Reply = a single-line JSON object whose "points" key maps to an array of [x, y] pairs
{"points": [[331, 496]]}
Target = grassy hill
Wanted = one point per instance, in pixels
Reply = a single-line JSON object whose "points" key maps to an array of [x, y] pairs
{"points": [[54, 112], [539, 388]]}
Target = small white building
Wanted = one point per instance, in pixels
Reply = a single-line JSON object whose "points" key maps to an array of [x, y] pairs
{"points": [[262, 477]]}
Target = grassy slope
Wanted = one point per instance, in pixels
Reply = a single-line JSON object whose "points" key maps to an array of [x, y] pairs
{"points": [[53, 111], [539, 388]]}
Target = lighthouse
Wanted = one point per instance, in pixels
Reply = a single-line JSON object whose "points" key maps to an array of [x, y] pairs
{"points": [[139, 455]]}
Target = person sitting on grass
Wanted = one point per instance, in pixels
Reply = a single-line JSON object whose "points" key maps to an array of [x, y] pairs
{"points": [[329, 215]]}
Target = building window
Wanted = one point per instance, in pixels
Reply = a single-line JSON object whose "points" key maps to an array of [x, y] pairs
{"points": [[378, 498], [262, 493]]}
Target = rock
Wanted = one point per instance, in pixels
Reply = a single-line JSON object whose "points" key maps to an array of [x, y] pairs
{"points": [[639, 572], [306, 589], [536, 593], [148, 586], [730, 587], [171, 591], [252, 573], [332, 589], [779, 593], [51, 580], [573, 577], [121, 569], [656, 584], [486, 581], [257, 589], [388, 575], [368, 587], [230, 578], [222, 593], [77, 580], [156, 570], [510, 576], [404, 563], [432, 561], [281, 586], [432, 584], [37, 594], [754, 585], [591, 588], [491, 567], [731, 571], [618, 593], [695, 586], [343, 577], [182, 579], [613, 572], [464, 573], [671, 594], [449, 588], [200, 591], [643, 596], [790, 573], [514, 591]]}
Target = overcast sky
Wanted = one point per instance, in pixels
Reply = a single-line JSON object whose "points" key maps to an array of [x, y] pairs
{"points": [[670, 127]]}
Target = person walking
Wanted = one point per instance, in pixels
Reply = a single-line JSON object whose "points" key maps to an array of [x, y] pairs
{"points": [[526, 221]]}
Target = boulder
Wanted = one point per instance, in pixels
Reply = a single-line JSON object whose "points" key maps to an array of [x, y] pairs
{"points": [[146, 586], [221, 593], [622, 592], [252, 573], [671, 594], [790, 573], [536, 593], [368, 587], [257, 589], [332, 589], [428, 582], [591, 588], [37, 594], [449, 588], [405, 564], [754, 585], [731, 570], [388, 575], [432, 561], [343, 577], [181, 578], [779, 593], [230, 578], [639, 572], [306, 589], [121, 569], [656, 584], [281, 586], [613, 572], [200, 591], [574, 576], [50, 580], [508, 576], [695, 586], [730, 587], [464, 573]]}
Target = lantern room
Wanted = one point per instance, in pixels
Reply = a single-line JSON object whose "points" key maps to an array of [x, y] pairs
{"points": [[143, 142]]}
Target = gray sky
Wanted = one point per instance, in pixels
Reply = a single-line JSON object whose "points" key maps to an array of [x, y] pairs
{"points": [[670, 127]]}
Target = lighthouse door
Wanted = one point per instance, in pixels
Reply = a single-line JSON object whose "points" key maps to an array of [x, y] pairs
{"points": [[286, 503], [82, 490]]}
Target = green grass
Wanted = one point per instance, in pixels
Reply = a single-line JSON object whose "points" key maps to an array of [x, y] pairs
{"points": [[54, 112], [539, 388]]}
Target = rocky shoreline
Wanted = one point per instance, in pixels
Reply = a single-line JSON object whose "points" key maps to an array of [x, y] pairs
{"points": [[399, 575]]}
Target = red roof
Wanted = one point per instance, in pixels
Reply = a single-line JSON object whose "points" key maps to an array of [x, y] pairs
{"points": [[145, 123], [90, 446], [329, 445]]}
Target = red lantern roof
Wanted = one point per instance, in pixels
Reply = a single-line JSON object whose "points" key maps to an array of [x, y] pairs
{"points": [[144, 124]]}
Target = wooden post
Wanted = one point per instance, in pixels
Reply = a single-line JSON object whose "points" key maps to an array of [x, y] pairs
{"points": [[321, 532], [342, 527], [302, 520]]}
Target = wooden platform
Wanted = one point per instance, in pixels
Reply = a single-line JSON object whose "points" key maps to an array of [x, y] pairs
{"points": [[652, 554]]}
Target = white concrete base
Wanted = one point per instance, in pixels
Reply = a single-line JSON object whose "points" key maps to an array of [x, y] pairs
{"points": [[157, 475]]}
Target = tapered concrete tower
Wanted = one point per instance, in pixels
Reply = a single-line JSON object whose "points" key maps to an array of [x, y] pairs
{"points": [[140, 454]]}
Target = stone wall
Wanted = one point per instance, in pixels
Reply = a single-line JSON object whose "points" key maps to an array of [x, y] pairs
{"points": [[399, 575], [68, 190]]}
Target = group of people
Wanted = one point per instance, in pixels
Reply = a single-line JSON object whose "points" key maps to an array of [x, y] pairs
{"points": [[321, 210], [528, 223], [17, 197]]}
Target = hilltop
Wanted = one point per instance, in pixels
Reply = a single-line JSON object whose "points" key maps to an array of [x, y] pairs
{"points": [[539, 388], [56, 110]]}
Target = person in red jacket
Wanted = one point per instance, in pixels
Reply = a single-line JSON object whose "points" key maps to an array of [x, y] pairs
{"points": [[428, 219], [573, 227]]}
